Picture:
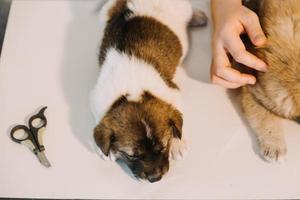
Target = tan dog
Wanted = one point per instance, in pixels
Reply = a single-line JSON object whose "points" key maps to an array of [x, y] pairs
{"points": [[136, 100], [276, 94]]}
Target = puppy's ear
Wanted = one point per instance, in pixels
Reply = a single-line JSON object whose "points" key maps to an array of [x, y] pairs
{"points": [[175, 124], [119, 102], [104, 137]]}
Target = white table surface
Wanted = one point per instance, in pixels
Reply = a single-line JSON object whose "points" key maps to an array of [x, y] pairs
{"points": [[50, 58]]}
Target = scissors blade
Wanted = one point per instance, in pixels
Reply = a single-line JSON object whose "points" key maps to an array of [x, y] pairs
{"points": [[43, 159]]}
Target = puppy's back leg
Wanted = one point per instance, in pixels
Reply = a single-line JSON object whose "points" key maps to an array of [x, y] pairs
{"points": [[199, 19], [267, 127]]}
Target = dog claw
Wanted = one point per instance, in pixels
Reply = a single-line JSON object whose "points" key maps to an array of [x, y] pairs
{"points": [[272, 150]]}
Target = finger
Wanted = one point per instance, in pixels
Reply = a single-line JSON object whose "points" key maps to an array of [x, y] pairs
{"points": [[252, 26], [235, 76], [222, 68], [237, 50], [219, 81]]}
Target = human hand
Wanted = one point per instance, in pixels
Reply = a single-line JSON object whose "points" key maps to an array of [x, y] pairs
{"points": [[231, 19]]}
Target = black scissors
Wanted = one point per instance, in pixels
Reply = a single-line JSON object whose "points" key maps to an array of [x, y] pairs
{"points": [[32, 136]]}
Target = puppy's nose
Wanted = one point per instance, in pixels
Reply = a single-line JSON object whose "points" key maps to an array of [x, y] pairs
{"points": [[154, 177]]}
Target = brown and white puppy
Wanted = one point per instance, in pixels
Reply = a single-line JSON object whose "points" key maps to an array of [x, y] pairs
{"points": [[276, 94], [136, 100]]}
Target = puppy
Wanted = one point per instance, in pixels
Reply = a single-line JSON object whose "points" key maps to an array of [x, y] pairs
{"points": [[276, 94], [136, 100]]}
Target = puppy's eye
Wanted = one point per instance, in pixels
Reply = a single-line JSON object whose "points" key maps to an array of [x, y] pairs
{"points": [[160, 150], [142, 156], [129, 157]]}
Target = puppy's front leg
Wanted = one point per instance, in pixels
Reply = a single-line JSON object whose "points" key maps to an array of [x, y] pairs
{"points": [[178, 148], [267, 127], [199, 19]]}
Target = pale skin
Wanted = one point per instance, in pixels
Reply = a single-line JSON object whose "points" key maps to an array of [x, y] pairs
{"points": [[231, 19]]}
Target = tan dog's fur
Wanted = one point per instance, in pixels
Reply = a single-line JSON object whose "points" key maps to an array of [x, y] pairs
{"points": [[276, 94]]}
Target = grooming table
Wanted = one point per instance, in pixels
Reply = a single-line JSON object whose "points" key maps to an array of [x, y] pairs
{"points": [[50, 58]]}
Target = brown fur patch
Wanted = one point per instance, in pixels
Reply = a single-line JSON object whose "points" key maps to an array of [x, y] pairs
{"points": [[155, 43], [126, 118], [146, 39], [123, 132], [113, 29]]}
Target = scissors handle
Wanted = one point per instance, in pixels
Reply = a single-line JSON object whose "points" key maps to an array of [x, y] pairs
{"points": [[34, 128], [26, 134], [32, 132], [39, 116]]}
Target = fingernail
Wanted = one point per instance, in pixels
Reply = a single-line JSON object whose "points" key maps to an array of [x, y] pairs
{"points": [[251, 81], [264, 68], [259, 39]]}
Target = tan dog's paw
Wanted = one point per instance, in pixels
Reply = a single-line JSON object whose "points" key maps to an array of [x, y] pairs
{"points": [[199, 19], [273, 149], [178, 149]]}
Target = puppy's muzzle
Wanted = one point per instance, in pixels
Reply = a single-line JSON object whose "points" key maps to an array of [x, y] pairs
{"points": [[154, 176]]}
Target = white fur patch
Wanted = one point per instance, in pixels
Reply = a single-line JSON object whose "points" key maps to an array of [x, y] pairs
{"points": [[178, 149], [148, 129], [121, 75]]}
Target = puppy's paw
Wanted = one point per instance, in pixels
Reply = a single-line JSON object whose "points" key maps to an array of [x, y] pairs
{"points": [[273, 149], [199, 19], [110, 157], [178, 149]]}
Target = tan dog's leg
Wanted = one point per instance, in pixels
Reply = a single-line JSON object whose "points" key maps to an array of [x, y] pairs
{"points": [[266, 126]]}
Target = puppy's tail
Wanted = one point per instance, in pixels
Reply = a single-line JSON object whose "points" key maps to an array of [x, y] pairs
{"points": [[108, 9]]}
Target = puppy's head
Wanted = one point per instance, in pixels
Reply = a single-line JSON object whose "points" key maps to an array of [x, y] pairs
{"points": [[140, 134]]}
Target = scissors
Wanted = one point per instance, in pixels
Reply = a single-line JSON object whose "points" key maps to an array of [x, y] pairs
{"points": [[32, 136]]}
